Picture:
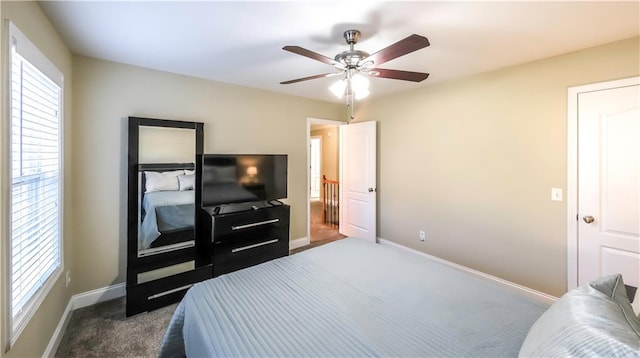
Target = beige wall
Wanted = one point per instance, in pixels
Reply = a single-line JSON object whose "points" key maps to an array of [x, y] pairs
{"points": [[472, 162], [166, 145], [237, 120], [29, 18]]}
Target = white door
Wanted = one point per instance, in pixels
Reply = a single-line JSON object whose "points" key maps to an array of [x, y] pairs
{"points": [[315, 150], [609, 185], [358, 172]]}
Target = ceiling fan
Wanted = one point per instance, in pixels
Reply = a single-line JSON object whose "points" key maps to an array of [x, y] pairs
{"points": [[352, 63]]}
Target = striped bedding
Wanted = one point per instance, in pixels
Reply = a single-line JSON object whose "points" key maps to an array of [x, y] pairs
{"points": [[350, 298], [165, 211]]}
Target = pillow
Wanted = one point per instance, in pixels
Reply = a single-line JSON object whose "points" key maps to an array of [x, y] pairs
{"points": [[157, 181], [189, 172], [187, 182], [595, 319], [615, 289]]}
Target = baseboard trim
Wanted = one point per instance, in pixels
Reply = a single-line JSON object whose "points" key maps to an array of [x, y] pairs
{"points": [[523, 289], [98, 295], [56, 338], [303, 241], [79, 301]]}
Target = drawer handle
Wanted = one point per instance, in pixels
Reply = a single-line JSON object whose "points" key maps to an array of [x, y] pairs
{"points": [[157, 295], [246, 226], [233, 251]]}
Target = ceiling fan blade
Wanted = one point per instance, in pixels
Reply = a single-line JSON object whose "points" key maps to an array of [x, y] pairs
{"points": [[308, 53], [400, 48], [310, 78], [399, 75]]}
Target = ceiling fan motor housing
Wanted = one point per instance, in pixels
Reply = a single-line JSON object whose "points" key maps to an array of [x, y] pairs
{"points": [[352, 36], [351, 58]]}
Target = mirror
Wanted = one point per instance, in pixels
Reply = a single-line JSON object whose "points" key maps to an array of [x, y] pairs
{"points": [[164, 254], [166, 185]]}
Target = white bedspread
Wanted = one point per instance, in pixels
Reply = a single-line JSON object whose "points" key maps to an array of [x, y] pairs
{"points": [[350, 298]]}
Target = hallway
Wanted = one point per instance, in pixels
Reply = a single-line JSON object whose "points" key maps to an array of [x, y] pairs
{"points": [[321, 233]]}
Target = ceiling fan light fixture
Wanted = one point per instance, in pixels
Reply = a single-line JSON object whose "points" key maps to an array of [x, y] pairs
{"points": [[360, 84], [339, 88]]}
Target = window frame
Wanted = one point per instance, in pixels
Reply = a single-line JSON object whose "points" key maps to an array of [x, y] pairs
{"points": [[37, 59]]}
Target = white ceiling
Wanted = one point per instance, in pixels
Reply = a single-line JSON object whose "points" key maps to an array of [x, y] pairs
{"points": [[241, 42]]}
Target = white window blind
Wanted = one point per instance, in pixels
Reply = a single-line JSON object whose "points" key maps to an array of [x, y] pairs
{"points": [[35, 167]]}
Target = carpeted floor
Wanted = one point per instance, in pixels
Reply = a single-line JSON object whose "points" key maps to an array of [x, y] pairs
{"points": [[103, 330]]}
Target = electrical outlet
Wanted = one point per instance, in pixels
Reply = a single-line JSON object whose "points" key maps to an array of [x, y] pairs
{"points": [[68, 279], [422, 235]]}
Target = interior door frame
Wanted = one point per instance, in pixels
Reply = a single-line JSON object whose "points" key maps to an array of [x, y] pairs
{"points": [[310, 120], [572, 168]]}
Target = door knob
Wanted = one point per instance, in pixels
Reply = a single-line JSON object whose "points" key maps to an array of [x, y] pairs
{"points": [[371, 190], [588, 219]]}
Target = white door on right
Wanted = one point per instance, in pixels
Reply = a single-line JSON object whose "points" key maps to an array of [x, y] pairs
{"points": [[609, 185]]}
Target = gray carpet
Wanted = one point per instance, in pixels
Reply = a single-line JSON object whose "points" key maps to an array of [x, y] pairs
{"points": [[102, 330]]}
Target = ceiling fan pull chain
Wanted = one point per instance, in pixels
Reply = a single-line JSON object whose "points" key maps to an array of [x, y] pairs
{"points": [[350, 102]]}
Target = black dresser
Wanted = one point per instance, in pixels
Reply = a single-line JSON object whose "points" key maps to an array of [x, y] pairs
{"points": [[247, 237]]}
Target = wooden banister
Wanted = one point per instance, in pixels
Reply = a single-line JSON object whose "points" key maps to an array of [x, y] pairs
{"points": [[330, 201]]}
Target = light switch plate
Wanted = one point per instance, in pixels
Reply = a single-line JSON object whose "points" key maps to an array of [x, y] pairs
{"points": [[556, 194]]}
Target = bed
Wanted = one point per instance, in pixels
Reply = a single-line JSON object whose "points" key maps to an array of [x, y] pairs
{"points": [[355, 298], [166, 213]]}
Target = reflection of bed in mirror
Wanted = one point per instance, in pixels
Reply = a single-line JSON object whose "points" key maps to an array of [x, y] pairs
{"points": [[167, 209], [220, 184], [227, 192]]}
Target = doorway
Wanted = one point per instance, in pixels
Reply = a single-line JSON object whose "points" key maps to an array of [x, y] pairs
{"points": [[324, 175]]}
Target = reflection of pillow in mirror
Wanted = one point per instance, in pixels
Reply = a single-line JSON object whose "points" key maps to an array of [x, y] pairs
{"points": [[187, 182], [226, 174], [189, 172], [158, 181]]}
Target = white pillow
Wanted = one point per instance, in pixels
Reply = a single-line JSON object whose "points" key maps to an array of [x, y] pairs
{"points": [[187, 182], [189, 172], [158, 181], [593, 320]]}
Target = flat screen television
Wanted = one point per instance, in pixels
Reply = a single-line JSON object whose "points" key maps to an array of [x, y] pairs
{"points": [[241, 178]]}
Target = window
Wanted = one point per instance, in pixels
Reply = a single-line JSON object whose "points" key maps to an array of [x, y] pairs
{"points": [[35, 172]]}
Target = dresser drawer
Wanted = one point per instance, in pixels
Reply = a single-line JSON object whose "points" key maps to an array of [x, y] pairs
{"points": [[247, 221], [247, 262], [265, 247], [246, 238]]}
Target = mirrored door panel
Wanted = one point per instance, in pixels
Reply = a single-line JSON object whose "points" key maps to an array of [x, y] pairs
{"points": [[166, 189]]}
